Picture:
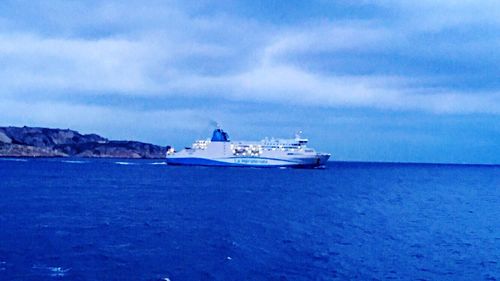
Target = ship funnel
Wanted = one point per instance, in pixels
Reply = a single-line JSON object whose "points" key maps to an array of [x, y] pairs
{"points": [[220, 135]]}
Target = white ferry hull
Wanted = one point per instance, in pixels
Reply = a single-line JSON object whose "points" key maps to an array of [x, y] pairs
{"points": [[309, 162], [268, 153]]}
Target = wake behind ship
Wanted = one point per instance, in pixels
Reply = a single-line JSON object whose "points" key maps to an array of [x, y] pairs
{"points": [[220, 151]]}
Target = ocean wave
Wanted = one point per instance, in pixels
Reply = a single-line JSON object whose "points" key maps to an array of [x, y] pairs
{"points": [[125, 163], [14, 159], [53, 271], [74, 161], [158, 163]]}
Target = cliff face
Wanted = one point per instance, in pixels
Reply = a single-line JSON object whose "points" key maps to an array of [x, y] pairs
{"points": [[44, 142]]}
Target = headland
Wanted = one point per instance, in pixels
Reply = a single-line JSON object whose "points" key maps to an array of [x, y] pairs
{"points": [[47, 142]]}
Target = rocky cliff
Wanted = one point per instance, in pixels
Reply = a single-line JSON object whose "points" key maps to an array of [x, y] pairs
{"points": [[45, 142]]}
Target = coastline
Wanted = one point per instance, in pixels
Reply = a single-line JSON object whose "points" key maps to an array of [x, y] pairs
{"points": [[37, 142]]}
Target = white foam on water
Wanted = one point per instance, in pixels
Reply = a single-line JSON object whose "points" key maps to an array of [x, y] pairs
{"points": [[158, 163], [58, 271], [125, 163], [53, 271], [14, 159], [74, 161]]}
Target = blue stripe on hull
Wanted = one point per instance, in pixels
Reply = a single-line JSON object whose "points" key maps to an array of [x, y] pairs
{"points": [[207, 162], [198, 162], [265, 158]]}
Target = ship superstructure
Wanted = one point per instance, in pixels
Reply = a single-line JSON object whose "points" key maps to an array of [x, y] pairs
{"points": [[220, 151]]}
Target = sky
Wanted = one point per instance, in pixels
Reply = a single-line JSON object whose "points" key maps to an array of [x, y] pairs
{"points": [[381, 80]]}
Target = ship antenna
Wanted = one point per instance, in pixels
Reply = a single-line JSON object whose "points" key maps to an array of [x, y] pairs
{"points": [[298, 134]]}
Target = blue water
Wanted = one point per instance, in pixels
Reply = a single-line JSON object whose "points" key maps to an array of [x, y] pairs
{"points": [[140, 220]]}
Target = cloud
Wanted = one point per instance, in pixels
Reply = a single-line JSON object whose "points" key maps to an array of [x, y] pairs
{"points": [[152, 125], [165, 49], [439, 15], [329, 36], [286, 84], [74, 64]]}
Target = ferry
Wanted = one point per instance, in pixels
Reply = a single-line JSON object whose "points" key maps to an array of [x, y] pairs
{"points": [[220, 151]]}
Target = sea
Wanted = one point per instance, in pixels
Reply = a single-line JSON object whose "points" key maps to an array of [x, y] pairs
{"points": [[122, 219]]}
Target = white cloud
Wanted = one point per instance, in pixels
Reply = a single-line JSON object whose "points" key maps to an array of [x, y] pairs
{"points": [[430, 15], [328, 36], [115, 123], [74, 64], [155, 57], [287, 84], [134, 65]]}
